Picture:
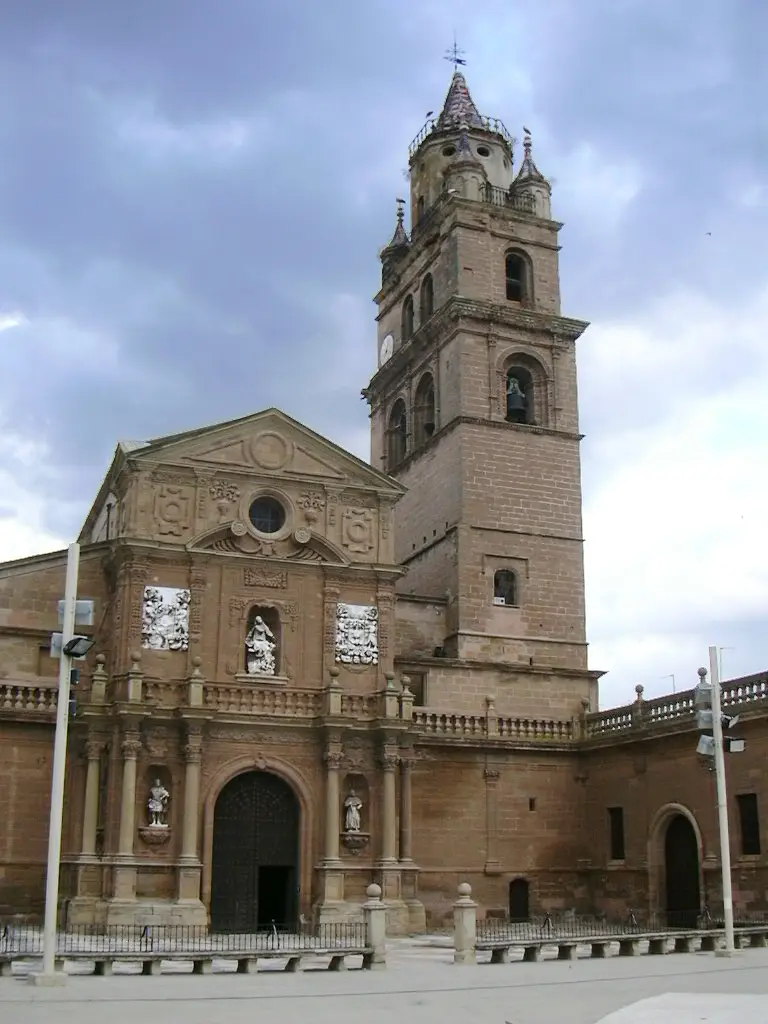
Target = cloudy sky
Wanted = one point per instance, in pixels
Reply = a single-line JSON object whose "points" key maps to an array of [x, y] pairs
{"points": [[192, 197]]}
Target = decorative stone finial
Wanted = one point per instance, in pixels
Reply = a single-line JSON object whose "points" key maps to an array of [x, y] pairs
{"points": [[373, 892], [100, 660], [639, 690], [135, 657], [702, 673], [465, 890], [390, 681]]}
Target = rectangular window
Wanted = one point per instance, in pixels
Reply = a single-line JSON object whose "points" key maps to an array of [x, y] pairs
{"points": [[616, 821], [749, 819]]}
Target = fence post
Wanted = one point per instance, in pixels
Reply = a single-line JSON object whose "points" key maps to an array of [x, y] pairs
{"points": [[375, 918], [464, 926]]}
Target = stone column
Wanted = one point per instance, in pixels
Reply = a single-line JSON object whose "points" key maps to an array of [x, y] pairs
{"points": [[120, 911], [406, 805], [193, 756], [93, 749], [491, 775], [464, 926], [334, 760], [389, 762], [130, 747], [193, 910]]}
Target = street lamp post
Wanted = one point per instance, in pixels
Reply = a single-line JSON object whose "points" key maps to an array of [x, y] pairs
{"points": [[722, 801], [49, 975]]}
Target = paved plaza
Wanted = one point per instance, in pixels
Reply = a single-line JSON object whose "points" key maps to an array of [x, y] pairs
{"points": [[419, 986]]}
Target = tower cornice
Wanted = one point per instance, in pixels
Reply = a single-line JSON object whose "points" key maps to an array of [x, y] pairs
{"points": [[458, 313]]}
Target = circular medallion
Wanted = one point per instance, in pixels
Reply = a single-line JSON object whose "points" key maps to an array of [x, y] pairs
{"points": [[302, 535], [271, 450], [239, 529]]}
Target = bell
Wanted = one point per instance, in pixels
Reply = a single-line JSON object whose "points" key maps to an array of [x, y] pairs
{"points": [[515, 401]]}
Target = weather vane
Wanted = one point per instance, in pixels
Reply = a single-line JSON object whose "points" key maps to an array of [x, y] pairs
{"points": [[454, 55]]}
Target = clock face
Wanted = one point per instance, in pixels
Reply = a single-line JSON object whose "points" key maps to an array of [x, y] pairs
{"points": [[386, 350]]}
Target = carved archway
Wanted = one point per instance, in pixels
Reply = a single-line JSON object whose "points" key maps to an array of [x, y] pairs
{"points": [[297, 783], [524, 365], [659, 859]]}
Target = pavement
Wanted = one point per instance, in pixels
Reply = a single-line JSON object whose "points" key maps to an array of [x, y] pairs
{"points": [[420, 985]]}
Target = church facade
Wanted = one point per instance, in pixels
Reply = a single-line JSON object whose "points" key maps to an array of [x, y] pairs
{"points": [[311, 673]]}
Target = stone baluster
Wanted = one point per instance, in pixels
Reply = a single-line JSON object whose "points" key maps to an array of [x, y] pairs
{"points": [[196, 685], [93, 749], [406, 700], [130, 747], [135, 679], [334, 761], [99, 681], [388, 761]]}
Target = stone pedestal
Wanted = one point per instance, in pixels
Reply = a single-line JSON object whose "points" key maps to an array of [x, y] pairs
{"points": [[464, 926]]}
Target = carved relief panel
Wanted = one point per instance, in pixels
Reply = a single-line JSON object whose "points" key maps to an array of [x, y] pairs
{"points": [[172, 506]]}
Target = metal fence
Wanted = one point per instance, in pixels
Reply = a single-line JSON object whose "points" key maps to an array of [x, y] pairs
{"points": [[568, 926], [24, 939]]}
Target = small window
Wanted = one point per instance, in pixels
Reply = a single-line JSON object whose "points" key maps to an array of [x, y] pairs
{"points": [[517, 282], [407, 319], [483, 151], [420, 208], [449, 151], [749, 819], [427, 298], [519, 400], [267, 515], [397, 434], [505, 587], [616, 822]]}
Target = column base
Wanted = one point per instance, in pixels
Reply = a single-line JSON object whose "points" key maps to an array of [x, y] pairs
{"points": [[188, 883]]}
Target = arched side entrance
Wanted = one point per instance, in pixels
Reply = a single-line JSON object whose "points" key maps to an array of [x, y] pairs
{"points": [[681, 873], [255, 856], [519, 900]]}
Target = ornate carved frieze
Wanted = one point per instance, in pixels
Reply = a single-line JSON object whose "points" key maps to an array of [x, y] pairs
{"points": [[172, 509], [137, 575], [237, 606], [164, 476], [330, 600], [388, 759], [385, 602], [333, 506], [165, 625], [357, 640], [334, 760], [130, 747], [359, 499], [193, 746], [156, 743], [312, 504], [197, 584], [271, 578], [385, 521], [357, 532], [223, 490]]}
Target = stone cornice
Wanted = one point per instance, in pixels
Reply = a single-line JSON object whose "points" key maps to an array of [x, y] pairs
{"points": [[460, 313]]}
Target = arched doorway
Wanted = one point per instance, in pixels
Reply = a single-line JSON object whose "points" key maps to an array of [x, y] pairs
{"points": [[255, 863], [681, 872], [519, 900]]}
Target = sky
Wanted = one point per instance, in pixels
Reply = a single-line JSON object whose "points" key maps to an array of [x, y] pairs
{"points": [[193, 197]]}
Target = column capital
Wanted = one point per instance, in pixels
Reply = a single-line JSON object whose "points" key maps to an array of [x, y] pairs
{"points": [[93, 747], [130, 747], [334, 760], [389, 760]]}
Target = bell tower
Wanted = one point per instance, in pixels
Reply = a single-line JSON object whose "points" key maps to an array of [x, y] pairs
{"points": [[474, 405]]}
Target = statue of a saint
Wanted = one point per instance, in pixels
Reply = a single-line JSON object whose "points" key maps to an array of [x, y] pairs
{"points": [[158, 805], [352, 805], [261, 645]]}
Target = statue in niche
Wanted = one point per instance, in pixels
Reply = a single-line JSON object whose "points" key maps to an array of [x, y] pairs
{"points": [[352, 806], [261, 646], [158, 805]]}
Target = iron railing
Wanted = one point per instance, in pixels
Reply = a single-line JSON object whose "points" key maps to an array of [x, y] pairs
{"points": [[488, 124], [557, 928], [25, 939]]}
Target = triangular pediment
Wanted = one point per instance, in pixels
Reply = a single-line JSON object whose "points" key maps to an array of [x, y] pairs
{"points": [[268, 443]]}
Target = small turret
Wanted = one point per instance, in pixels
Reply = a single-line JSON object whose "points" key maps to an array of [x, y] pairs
{"points": [[530, 184], [398, 247]]}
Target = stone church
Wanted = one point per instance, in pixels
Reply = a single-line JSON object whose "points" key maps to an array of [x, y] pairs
{"points": [[311, 673]]}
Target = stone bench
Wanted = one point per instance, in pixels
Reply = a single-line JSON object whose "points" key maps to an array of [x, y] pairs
{"points": [[202, 960]]}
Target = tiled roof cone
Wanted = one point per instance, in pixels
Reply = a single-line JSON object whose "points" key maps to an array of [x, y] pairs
{"points": [[528, 169], [459, 107], [399, 238]]}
